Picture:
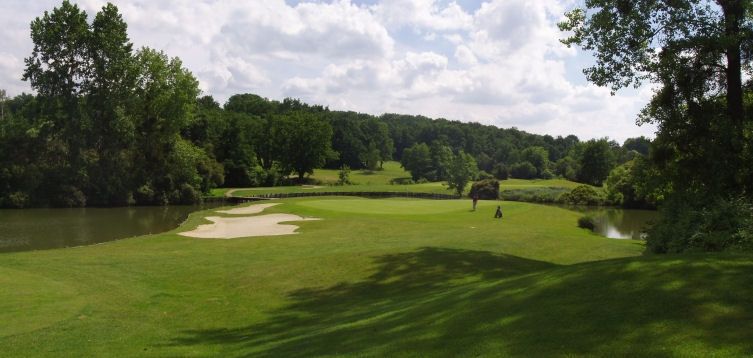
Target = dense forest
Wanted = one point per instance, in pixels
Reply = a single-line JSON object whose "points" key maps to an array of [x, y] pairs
{"points": [[110, 125]]}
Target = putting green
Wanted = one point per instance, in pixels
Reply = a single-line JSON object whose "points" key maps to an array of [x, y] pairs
{"points": [[43, 301], [394, 206]]}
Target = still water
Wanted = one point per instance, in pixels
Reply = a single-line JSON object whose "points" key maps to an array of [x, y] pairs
{"points": [[36, 229], [620, 223]]}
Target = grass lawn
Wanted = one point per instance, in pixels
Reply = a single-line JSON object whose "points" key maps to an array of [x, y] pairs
{"points": [[393, 277], [390, 170], [380, 181]]}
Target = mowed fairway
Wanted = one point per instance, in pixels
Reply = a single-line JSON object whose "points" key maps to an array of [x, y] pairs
{"points": [[393, 277]]}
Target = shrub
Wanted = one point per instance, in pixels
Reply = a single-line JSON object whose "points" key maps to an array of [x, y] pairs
{"points": [[586, 222], [16, 199], [690, 224], [582, 195], [271, 177], [343, 175], [189, 194], [485, 189], [482, 175], [535, 195]]}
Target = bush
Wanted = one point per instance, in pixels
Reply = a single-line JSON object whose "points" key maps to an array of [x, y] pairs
{"points": [[482, 175], [535, 195], [690, 224], [16, 200], [485, 189], [343, 175], [582, 195], [189, 194], [586, 222], [271, 177]]}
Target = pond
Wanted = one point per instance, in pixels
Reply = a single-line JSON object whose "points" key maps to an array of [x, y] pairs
{"points": [[36, 229], [620, 223]]}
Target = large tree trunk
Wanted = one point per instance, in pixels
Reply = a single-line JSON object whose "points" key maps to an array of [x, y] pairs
{"points": [[733, 16], [734, 12]]}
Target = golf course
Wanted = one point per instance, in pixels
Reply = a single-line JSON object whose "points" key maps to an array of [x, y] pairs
{"points": [[377, 277], [376, 178]]}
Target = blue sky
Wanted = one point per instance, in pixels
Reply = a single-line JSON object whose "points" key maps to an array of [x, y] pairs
{"points": [[494, 62]]}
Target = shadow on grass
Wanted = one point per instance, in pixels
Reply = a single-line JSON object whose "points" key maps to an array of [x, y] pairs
{"points": [[446, 302]]}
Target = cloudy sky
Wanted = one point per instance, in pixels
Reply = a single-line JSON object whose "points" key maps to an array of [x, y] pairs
{"points": [[494, 62]]}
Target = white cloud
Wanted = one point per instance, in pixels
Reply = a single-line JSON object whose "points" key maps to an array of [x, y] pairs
{"points": [[499, 64], [423, 14]]}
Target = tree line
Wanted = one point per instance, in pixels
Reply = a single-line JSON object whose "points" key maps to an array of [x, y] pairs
{"points": [[110, 125]]}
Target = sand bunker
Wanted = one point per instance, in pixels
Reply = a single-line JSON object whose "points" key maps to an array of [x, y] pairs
{"points": [[247, 210], [231, 228], [311, 187]]}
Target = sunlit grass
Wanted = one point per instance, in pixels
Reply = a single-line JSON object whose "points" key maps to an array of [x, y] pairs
{"points": [[378, 278]]}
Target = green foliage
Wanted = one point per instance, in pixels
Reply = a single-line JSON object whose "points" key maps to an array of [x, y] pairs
{"points": [[487, 189], [500, 171], [687, 225], [538, 157], [586, 222], [344, 175], [417, 160], [378, 135], [583, 195], [107, 119], [523, 170], [442, 161], [306, 140], [536, 195], [371, 157], [567, 167], [635, 184], [462, 170], [696, 52], [482, 175], [640, 145], [596, 161]]}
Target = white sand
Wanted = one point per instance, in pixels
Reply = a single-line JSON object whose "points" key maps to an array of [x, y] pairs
{"points": [[247, 210], [231, 228], [311, 187]]}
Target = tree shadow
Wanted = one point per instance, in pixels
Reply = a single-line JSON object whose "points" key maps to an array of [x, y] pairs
{"points": [[448, 302]]}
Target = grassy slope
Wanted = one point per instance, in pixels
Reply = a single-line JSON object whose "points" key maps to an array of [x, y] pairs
{"points": [[380, 181], [360, 282]]}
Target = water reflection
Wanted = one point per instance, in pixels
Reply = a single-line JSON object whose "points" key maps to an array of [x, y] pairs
{"points": [[620, 223], [34, 229]]}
